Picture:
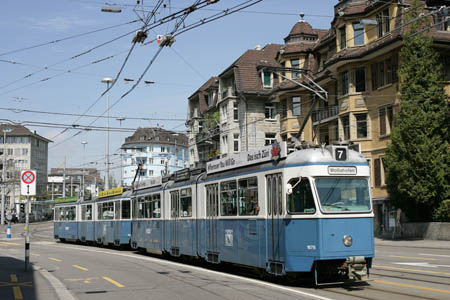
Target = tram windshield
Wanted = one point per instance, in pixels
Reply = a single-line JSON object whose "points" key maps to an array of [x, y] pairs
{"points": [[343, 194]]}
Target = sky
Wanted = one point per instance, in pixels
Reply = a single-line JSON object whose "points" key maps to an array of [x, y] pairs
{"points": [[58, 74]]}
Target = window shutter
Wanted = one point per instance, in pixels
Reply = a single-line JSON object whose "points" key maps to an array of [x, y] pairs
{"points": [[382, 117], [377, 169]]}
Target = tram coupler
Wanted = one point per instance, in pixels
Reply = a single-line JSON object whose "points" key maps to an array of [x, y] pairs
{"points": [[356, 267]]}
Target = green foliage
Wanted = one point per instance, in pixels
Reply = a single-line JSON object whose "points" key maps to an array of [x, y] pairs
{"points": [[211, 120], [442, 213], [418, 159]]}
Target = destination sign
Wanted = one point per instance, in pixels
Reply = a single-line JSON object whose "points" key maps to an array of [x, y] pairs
{"points": [[111, 192], [336, 170], [264, 154], [153, 181], [65, 199]]}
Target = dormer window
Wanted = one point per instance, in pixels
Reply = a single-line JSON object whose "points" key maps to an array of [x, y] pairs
{"points": [[267, 79], [343, 38], [383, 20], [295, 64], [358, 34]]}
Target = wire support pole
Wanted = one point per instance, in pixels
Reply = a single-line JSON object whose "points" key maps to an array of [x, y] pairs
{"points": [[27, 234]]}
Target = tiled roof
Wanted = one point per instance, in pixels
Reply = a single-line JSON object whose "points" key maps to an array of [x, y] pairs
{"points": [[212, 83], [22, 131], [248, 79], [156, 135], [302, 27]]}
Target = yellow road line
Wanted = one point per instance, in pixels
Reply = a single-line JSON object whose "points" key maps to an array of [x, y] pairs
{"points": [[79, 267], [14, 278], [8, 244], [17, 293], [410, 257], [412, 286], [55, 259], [113, 282], [412, 270], [35, 254]]}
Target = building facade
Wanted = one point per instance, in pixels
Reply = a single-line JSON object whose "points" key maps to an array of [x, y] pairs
{"points": [[339, 84], [160, 152], [72, 180], [23, 150]]}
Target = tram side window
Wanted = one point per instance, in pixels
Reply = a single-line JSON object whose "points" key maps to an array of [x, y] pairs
{"points": [[83, 212], [135, 210], [70, 213], [57, 214], [126, 209], [108, 211], [186, 202], [248, 197], [117, 210], [89, 212], [301, 200], [141, 207], [147, 207], [228, 198], [99, 211], [156, 206]]}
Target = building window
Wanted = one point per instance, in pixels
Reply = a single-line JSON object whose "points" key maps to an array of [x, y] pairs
{"points": [[377, 171], [269, 111], [236, 142], [344, 83], [386, 116], [360, 80], [386, 21], [266, 79], [235, 111], [24, 151], [381, 73], [283, 72], [284, 108], [10, 151], [295, 64], [346, 127], [442, 23], [361, 126], [358, 34], [225, 142], [270, 139], [296, 106], [343, 38]]}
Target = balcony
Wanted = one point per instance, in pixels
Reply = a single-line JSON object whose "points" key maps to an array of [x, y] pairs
{"points": [[325, 114], [207, 134], [228, 92]]}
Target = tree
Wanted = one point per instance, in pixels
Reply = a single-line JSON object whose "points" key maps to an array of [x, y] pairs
{"points": [[418, 158]]}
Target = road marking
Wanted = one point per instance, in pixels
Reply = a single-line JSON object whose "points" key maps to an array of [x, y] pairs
{"points": [[423, 264], [412, 270], [79, 267], [85, 280], [412, 286], [55, 259], [13, 278], [8, 244], [199, 269], [437, 255], [17, 293], [35, 254], [410, 257], [113, 282]]}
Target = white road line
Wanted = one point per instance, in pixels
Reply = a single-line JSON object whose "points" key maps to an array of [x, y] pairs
{"points": [[167, 262], [437, 255]]}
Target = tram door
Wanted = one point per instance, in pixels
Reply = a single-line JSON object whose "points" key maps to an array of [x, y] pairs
{"points": [[275, 225], [175, 214], [212, 212]]}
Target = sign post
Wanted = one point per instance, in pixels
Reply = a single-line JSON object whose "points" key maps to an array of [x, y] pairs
{"points": [[27, 188]]}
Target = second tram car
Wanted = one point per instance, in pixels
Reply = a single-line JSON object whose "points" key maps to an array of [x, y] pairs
{"points": [[308, 211]]}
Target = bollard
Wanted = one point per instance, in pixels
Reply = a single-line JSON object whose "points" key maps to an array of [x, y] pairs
{"points": [[8, 232]]}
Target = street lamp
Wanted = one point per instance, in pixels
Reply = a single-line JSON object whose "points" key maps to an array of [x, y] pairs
{"points": [[84, 160], [108, 81], [5, 130]]}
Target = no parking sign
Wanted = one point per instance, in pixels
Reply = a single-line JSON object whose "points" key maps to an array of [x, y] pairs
{"points": [[28, 183]]}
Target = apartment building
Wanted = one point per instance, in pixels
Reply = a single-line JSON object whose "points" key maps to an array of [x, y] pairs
{"points": [[24, 150], [160, 152]]}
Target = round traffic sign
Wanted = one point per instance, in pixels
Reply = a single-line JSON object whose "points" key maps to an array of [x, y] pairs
{"points": [[28, 177]]}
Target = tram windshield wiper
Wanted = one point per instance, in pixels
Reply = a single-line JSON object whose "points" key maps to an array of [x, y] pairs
{"points": [[338, 206]]}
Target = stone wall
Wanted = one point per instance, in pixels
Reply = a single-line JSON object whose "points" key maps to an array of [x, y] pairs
{"points": [[427, 231]]}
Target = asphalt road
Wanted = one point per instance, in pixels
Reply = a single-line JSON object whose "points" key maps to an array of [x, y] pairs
{"points": [[70, 271]]}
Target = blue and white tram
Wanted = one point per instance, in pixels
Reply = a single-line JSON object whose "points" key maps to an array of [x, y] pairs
{"points": [[65, 222], [306, 212]]}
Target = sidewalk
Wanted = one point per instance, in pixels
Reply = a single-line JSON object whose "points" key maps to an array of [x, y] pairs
{"points": [[432, 244]]}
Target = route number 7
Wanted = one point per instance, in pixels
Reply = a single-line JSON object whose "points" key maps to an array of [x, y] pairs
{"points": [[340, 154]]}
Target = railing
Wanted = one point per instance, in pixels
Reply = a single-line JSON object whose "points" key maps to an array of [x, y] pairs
{"points": [[206, 134], [324, 113]]}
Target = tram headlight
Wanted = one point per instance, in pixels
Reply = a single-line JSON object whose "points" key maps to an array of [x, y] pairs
{"points": [[347, 240]]}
